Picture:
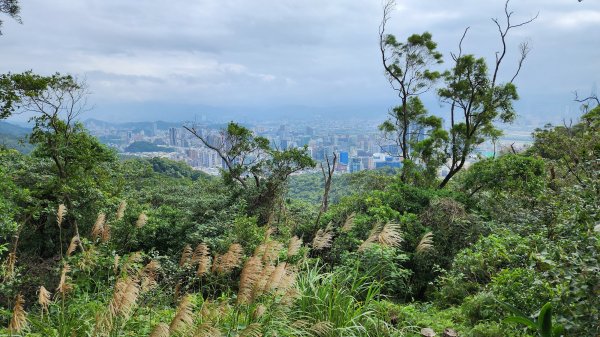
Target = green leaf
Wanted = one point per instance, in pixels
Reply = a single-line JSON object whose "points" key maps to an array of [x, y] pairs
{"points": [[544, 321], [522, 320]]}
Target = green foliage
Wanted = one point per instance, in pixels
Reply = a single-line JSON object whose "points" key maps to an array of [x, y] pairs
{"points": [[12, 8], [522, 288], [143, 146], [543, 324], [510, 172], [383, 264]]}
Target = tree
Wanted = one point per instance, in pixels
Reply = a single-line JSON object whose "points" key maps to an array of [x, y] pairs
{"points": [[406, 66], [80, 167], [327, 178], [10, 7], [253, 165], [13, 87], [476, 98]]}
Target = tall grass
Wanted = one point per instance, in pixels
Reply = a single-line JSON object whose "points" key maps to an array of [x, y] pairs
{"points": [[338, 304]]}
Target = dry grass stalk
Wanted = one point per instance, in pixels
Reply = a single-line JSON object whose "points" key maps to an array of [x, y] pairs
{"points": [[426, 243], [11, 261], [184, 317], [18, 320], [64, 286], [274, 280], [60, 214], [288, 280], [186, 255], [149, 274], [322, 240], [269, 232], [322, 328], [290, 296], [294, 246], [106, 232], [201, 256], [121, 210], [161, 330], [249, 277], [98, 227], [124, 297], [116, 263], [231, 259], [261, 282], [207, 330], [271, 251], [252, 330], [349, 223], [203, 265], [44, 299], [142, 220], [301, 324], [201, 251], [216, 261], [389, 235], [259, 311], [75, 242]]}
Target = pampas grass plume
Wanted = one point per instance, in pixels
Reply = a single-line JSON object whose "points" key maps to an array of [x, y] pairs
{"points": [[75, 241], [322, 239], [294, 246], [121, 210], [184, 317], [18, 320], [426, 243], [44, 299], [60, 214], [98, 227], [161, 330], [142, 220]]}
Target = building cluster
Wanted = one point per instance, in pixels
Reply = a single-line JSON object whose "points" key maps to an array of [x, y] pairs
{"points": [[357, 144], [357, 149]]}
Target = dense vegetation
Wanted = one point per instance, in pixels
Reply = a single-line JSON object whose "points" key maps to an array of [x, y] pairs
{"points": [[91, 245], [143, 146], [147, 247]]}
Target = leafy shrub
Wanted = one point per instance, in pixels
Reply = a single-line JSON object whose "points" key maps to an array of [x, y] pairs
{"points": [[521, 288]]}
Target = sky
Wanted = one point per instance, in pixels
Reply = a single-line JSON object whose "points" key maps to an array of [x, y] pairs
{"points": [[259, 59]]}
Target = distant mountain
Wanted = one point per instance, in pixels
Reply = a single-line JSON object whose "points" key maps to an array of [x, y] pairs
{"points": [[14, 137], [12, 129]]}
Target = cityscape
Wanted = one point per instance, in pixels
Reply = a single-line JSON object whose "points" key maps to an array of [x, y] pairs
{"points": [[358, 144]]}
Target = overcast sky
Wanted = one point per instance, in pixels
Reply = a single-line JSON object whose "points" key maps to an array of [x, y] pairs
{"points": [[145, 58]]}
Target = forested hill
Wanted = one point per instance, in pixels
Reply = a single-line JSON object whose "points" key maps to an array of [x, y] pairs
{"points": [[152, 248], [14, 136]]}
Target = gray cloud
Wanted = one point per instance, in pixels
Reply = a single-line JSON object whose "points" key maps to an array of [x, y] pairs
{"points": [[265, 54]]}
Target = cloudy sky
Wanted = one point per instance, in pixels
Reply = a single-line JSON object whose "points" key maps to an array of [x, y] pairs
{"points": [[167, 60]]}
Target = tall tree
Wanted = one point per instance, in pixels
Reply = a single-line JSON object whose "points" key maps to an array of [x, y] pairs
{"points": [[251, 163], [407, 68], [79, 173], [476, 98]]}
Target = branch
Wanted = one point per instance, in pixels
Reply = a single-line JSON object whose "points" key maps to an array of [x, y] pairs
{"points": [[503, 31]]}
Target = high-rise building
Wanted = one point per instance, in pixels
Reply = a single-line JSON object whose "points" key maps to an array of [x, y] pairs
{"points": [[344, 157], [173, 136], [355, 165]]}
